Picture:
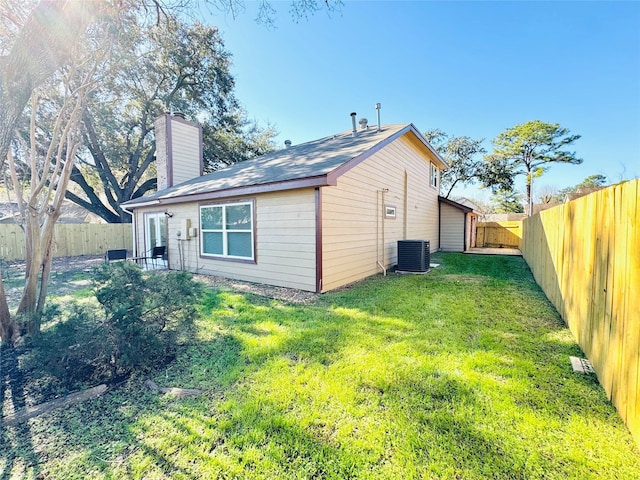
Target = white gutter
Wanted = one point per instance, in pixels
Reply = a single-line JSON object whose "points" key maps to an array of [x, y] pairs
{"points": [[144, 204]]}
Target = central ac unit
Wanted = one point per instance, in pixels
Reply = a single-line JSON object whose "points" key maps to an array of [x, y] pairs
{"points": [[414, 255]]}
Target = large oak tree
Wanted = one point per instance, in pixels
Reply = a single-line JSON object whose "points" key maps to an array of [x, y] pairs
{"points": [[57, 40], [172, 66]]}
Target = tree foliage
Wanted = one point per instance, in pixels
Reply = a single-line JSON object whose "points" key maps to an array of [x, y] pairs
{"points": [[460, 154], [40, 155], [591, 181], [507, 201], [35, 41], [172, 66], [527, 149], [50, 40]]}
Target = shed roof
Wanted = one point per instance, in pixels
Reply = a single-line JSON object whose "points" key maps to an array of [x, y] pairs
{"points": [[316, 163], [457, 205]]}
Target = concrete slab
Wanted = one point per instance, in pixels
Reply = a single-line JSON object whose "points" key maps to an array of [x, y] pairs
{"points": [[581, 365], [494, 251]]}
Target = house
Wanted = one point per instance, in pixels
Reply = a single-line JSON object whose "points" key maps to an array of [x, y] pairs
{"points": [[581, 192], [314, 216], [457, 226], [69, 213]]}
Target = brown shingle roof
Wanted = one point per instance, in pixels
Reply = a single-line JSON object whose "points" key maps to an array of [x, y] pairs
{"points": [[314, 163]]}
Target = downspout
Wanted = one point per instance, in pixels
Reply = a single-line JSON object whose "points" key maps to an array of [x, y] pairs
{"points": [[406, 205], [384, 270], [440, 225], [464, 234]]}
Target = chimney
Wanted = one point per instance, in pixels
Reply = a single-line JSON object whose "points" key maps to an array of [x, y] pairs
{"points": [[378, 107], [178, 150], [354, 132], [287, 143]]}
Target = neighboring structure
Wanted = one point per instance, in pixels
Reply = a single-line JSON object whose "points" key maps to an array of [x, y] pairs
{"points": [[69, 213], [503, 217], [581, 192], [475, 205], [540, 207], [457, 226], [314, 216]]}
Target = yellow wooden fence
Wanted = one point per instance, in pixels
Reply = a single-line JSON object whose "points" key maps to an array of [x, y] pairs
{"points": [[585, 255], [499, 234], [69, 239]]}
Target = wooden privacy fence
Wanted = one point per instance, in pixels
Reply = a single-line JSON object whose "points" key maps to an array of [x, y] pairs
{"points": [[585, 255], [69, 239], [499, 234]]}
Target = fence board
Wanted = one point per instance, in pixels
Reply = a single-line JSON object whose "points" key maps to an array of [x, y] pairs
{"points": [[69, 239], [632, 296], [499, 234], [585, 256]]}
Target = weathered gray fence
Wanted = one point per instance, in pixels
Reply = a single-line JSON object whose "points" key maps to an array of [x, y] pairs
{"points": [[69, 239]]}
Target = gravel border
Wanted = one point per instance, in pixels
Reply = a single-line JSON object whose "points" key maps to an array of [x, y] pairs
{"points": [[289, 295]]}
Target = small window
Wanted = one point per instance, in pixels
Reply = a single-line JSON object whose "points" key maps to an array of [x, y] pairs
{"points": [[389, 211], [434, 176], [227, 230]]}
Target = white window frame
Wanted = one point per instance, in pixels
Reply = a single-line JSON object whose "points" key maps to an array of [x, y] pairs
{"points": [[433, 176], [225, 231]]}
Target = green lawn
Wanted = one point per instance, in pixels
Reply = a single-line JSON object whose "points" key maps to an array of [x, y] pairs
{"points": [[462, 373]]}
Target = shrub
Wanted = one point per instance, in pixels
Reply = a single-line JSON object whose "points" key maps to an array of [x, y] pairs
{"points": [[133, 326]]}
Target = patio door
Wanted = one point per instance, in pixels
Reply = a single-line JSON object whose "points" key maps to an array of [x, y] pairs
{"points": [[155, 232]]}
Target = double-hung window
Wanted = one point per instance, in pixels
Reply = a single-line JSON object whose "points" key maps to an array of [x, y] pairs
{"points": [[434, 176], [227, 230]]}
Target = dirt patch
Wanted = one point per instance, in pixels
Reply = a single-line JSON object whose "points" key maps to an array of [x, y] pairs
{"points": [[62, 269], [289, 295]]}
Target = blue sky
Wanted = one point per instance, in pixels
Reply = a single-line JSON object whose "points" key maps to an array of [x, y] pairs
{"points": [[468, 68]]}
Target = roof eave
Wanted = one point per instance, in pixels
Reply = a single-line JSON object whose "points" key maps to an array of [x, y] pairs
{"points": [[308, 182], [333, 176], [417, 133], [457, 205]]}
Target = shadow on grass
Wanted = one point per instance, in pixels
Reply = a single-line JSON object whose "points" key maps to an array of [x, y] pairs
{"points": [[21, 455], [462, 373]]}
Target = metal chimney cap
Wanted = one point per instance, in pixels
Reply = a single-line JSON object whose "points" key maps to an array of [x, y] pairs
{"points": [[287, 143]]}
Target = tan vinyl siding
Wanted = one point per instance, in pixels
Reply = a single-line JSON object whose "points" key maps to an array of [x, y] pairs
{"points": [[353, 223], [285, 241], [185, 140], [451, 229]]}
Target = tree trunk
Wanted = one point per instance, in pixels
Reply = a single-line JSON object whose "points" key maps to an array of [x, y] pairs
{"points": [[8, 325], [529, 205], [26, 312]]}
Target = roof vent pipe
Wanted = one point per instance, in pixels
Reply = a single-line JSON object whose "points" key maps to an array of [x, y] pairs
{"points": [[354, 132], [378, 106], [287, 143]]}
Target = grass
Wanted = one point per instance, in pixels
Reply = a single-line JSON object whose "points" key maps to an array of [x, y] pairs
{"points": [[459, 374]]}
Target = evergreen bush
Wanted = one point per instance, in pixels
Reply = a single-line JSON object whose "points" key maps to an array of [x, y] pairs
{"points": [[133, 326]]}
